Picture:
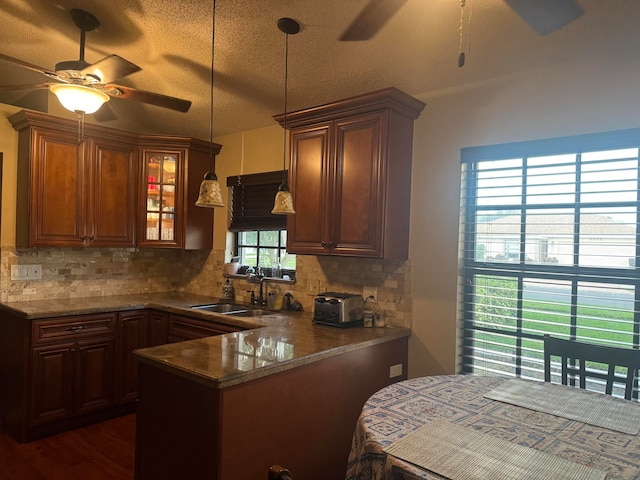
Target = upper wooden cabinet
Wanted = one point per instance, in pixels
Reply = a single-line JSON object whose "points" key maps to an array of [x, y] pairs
{"points": [[112, 189], [350, 176], [172, 170], [73, 193]]}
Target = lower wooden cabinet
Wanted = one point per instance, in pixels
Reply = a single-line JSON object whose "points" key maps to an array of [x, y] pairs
{"points": [[71, 379], [63, 372], [132, 334], [183, 328]]}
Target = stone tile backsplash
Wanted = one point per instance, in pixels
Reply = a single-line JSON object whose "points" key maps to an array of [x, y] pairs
{"points": [[78, 272]]}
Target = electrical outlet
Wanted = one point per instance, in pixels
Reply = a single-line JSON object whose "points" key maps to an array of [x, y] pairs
{"points": [[313, 285], [395, 370], [370, 292]]}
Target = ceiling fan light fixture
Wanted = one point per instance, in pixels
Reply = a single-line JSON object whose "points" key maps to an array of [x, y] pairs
{"points": [[79, 98]]}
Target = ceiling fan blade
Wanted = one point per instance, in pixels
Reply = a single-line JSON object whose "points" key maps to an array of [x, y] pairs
{"points": [[111, 68], [546, 16], [151, 98], [371, 19], [32, 86], [30, 66]]}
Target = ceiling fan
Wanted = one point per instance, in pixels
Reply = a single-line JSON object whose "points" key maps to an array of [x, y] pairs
{"points": [[92, 80], [544, 16]]}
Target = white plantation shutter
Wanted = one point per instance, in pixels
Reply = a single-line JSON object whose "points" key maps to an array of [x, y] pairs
{"points": [[549, 244]]}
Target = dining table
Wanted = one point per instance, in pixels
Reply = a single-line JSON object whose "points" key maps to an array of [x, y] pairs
{"points": [[464, 427]]}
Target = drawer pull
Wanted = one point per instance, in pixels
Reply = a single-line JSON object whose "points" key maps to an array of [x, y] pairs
{"points": [[75, 328]]}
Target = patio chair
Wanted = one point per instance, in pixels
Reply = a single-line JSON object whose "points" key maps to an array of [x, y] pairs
{"points": [[575, 355]]}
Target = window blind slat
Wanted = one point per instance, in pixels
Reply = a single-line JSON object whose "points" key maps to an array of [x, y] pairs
{"points": [[252, 199]]}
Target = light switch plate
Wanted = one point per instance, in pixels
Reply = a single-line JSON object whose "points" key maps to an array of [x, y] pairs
{"points": [[313, 285], [26, 272]]}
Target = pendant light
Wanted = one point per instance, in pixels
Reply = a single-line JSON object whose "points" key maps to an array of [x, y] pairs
{"points": [[283, 204], [210, 193]]}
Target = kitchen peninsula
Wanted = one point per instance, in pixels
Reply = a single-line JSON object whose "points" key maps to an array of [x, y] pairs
{"points": [[251, 392]]}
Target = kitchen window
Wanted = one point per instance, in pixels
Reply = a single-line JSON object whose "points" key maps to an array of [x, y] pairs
{"points": [[549, 242], [260, 236], [266, 250]]}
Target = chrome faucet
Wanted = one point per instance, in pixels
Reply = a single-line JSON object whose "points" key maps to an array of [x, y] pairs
{"points": [[261, 299]]}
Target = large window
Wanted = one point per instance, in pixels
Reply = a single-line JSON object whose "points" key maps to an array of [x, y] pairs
{"points": [[549, 245]]}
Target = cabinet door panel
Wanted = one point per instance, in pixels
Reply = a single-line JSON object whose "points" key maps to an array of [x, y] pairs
{"points": [[132, 334], [51, 383], [57, 214], [358, 196], [308, 230], [112, 202], [158, 328], [94, 374]]}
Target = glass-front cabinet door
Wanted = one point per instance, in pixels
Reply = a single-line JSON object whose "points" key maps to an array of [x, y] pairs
{"points": [[162, 168]]}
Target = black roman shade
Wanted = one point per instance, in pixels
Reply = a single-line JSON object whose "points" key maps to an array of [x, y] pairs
{"points": [[252, 200]]}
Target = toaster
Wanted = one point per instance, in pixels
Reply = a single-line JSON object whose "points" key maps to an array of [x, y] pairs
{"points": [[338, 309]]}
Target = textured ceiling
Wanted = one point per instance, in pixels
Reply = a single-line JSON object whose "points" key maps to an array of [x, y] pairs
{"points": [[416, 51]]}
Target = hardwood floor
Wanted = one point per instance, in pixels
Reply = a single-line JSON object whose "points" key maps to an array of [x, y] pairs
{"points": [[103, 451]]}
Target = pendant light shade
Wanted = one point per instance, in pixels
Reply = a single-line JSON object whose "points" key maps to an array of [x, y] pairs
{"points": [[283, 204], [78, 98], [210, 192]]}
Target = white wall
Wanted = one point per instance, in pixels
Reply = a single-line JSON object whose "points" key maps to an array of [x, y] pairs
{"points": [[598, 94]]}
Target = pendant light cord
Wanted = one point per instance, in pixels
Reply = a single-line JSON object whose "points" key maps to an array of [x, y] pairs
{"points": [[286, 83], [213, 38]]}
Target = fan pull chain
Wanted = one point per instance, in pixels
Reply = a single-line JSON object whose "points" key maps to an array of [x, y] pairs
{"points": [[80, 114], [461, 55], [461, 34]]}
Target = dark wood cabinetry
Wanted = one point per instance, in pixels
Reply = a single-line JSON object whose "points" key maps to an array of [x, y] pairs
{"points": [[62, 372], [132, 334], [158, 328], [350, 176], [173, 168], [183, 328], [112, 189], [71, 193], [71, 369]]}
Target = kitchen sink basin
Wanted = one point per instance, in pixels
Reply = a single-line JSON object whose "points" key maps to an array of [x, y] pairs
{"points": [[220, 307], [256, 312], [232, 309]]}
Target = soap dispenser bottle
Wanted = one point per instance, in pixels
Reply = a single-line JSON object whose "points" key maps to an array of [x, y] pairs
{"points": [[228, 292]]}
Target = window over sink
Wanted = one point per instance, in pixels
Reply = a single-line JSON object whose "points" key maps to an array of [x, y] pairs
{"points": [[265, 250], [260, 236]]}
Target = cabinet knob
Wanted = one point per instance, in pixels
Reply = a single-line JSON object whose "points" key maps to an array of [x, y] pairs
{"points": [[92, 238]]}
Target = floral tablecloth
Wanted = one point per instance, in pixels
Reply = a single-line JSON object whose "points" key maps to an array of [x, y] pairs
{"points": [[403, 407]]}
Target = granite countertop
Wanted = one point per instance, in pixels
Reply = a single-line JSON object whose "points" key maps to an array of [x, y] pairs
{"points": [[268, 344]]}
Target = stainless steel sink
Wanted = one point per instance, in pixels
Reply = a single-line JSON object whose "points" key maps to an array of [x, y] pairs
{"points": [[256, 312], [232, 309], [220, 307]]}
